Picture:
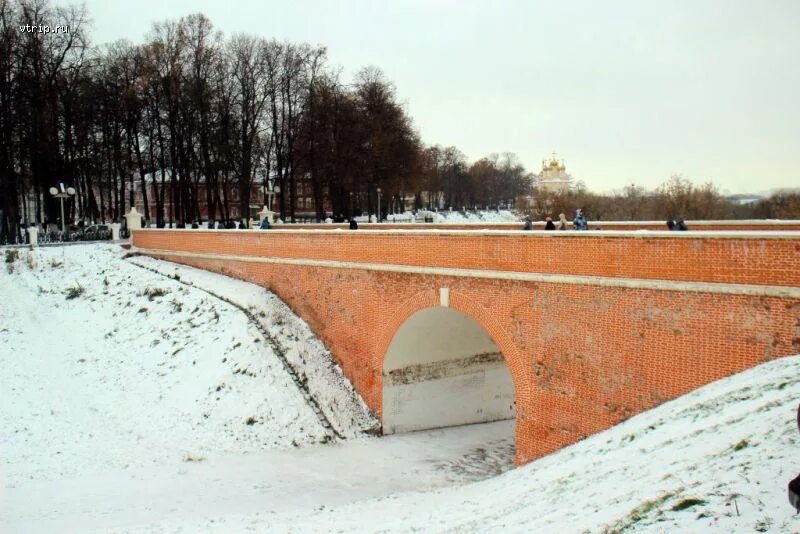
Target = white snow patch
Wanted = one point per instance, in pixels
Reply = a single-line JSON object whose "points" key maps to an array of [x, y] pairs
{"points": [[135, 369], [715, 460], [307, 355]]}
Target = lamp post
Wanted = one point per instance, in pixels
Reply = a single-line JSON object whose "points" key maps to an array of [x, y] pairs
{"points": [[61, 193], [379, 204], [267, 211]]}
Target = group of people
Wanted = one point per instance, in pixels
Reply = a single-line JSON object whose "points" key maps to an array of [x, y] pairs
{"points": [[578, 223], [228, 224], [677, 225]]}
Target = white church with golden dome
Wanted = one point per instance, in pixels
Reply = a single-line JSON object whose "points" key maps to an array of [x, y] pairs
{"points": [[553, 177]]}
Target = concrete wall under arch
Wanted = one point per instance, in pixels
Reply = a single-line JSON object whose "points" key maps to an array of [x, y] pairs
{"points": [[442, 369]]}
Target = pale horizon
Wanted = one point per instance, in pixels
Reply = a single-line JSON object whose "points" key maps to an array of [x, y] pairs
{"points": [[623, 92]]}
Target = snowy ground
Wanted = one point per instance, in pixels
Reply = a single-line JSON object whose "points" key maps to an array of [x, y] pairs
{"points": [[132, 401], [289, 338], [457, 217], [717, 460]]}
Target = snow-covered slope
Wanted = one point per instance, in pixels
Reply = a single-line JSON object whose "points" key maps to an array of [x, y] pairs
{"points": [[455, 217], [290, 338], [716, 460], [109, 365]]}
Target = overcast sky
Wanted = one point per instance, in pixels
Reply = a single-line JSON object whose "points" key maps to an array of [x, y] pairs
{"points": [[624, 91]]}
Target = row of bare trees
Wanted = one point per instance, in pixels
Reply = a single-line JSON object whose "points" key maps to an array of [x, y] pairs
{"points": [[192, 121], [676, 198]]}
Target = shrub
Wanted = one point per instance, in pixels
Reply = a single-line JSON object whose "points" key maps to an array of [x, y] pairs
{"points": [[75, 291], [687, 503], [12, 255], [153, 292]]}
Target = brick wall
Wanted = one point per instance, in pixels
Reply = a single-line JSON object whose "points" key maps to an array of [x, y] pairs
{"points": [[582, 357], [702, 257]]}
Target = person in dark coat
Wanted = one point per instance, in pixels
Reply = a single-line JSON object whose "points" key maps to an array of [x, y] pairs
{"points": [[242, 226], [353, 224], [265, 224], [670, 225], [794, 485], [548, 225], [680, 225], [528, 224], [580, 222]]}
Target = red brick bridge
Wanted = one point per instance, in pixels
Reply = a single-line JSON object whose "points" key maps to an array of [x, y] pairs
{"points": [[568, 332]]}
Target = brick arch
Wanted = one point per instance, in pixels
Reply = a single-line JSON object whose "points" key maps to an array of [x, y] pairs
{"points": [[462, 302]]}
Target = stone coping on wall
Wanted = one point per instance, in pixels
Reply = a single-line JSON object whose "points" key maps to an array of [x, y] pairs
{"points": [[604, 281], [700, 234]]}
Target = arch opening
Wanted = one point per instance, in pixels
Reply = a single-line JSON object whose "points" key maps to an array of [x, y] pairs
{"points": [[443, 369]]}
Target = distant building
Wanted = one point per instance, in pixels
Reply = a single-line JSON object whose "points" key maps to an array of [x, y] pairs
{"points": [[553, 177]]}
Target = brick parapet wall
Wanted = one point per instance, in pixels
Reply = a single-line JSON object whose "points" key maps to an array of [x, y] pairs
{"points": [[755, 258]]}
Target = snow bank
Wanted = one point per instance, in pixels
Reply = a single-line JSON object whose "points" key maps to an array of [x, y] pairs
{"points": [[716, 460], [107, 365], [450, 217], [290, 337], [457, 217]]}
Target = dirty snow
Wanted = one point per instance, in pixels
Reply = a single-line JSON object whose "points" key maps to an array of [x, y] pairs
{"points": [[126, 408]]}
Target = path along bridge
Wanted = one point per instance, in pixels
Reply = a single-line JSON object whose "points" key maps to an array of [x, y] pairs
{"points": [[567, 332]]}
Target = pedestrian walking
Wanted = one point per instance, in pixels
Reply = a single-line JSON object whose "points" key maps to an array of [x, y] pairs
{"points": [[794, 485], [548, 225], [562, 221], [353, 224]]}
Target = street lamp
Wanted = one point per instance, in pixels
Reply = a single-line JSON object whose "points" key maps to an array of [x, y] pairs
{"points": [[379, 204], [267, 212], [61, 193]]}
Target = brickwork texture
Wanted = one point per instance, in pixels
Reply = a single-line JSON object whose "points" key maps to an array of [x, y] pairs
{"points": [[583, 357]]}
